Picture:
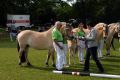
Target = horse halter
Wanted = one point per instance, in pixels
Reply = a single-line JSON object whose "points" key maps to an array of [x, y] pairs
{"points": [[118, 27], [106, 29]]}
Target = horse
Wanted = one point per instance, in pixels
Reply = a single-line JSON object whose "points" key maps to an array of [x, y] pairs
{"points": [[36, 40], [33, 39], [73, 43], [113, 28], [115, 36]]}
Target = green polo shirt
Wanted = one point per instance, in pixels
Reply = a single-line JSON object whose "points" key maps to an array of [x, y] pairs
{"points": [[80, 33], [56, 35], [64, 41]]}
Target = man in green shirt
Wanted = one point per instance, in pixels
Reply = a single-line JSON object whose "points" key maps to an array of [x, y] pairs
{"points": [[65, 45], [80, 43], [58, 45]]}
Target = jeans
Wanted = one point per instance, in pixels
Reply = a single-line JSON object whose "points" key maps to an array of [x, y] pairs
{"points": [[92, 51]]}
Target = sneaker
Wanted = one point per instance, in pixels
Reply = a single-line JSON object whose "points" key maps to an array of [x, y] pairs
{"points": [[58, 69]]}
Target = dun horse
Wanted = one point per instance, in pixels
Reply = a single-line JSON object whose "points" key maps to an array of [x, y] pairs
{"points": [[33, 39], [36, 40], [113, 28]]}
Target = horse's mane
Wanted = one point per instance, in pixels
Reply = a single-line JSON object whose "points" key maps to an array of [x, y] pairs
{"points": [[99, 25], [49, 30]]}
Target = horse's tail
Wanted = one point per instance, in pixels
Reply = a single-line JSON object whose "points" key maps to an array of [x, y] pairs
{"points": [[22, 59], [18, 46]]}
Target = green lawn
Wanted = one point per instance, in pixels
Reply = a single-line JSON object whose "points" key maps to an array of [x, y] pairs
{"points": [[10, 70]]}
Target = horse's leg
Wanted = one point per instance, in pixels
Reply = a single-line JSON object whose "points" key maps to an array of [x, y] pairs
{"points": [[108, 52], [48, 57], [50, 53], [70, 53], [21, 52], [112, 44], [53, 57], [76, 49], [22, 57], [26, 56], [73, 54], [119, 40]]}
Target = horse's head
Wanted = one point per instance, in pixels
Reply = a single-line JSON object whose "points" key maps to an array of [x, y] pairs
{"points": [[117, 27], [66, 29], [100, 27]]}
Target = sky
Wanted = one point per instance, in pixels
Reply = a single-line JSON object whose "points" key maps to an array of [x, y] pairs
{"points": [[70, 2]]}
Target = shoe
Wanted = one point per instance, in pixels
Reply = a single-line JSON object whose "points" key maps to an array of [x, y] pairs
{"points": [[86, 71], [101, 71], [58, 69], [53, 65]]}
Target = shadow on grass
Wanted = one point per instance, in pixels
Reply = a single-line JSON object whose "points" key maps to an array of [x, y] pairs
{"points": [[109, 67], [40, 68], [52, 68], [112, 59]]}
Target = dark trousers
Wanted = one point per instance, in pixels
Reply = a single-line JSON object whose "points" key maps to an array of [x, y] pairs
{"points": [[92, 51]]}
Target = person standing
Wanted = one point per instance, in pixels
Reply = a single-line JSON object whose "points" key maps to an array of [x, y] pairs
{"points": [[65, 44], [92, 50], [80, 43], [58, 45]]}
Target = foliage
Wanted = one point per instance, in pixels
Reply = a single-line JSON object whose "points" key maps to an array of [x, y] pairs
{"points": [[42, 11]]}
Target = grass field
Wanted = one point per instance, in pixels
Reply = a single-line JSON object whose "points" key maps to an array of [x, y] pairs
{"points": [[10, 70]]}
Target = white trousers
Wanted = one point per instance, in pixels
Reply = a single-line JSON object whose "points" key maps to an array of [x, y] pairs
{"points": [[65, 53], [81, 54], [100, 47], [81, 47], [60, 55]]}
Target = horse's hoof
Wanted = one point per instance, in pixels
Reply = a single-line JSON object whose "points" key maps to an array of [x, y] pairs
{"points": [[20, 63], [53, 65], [107, 54], [47, 63], [29, 64]]}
